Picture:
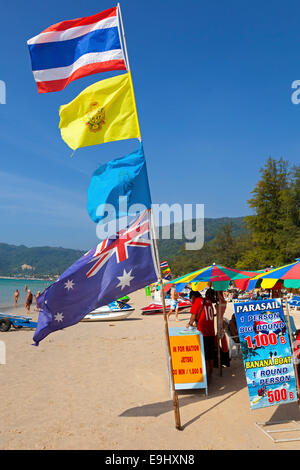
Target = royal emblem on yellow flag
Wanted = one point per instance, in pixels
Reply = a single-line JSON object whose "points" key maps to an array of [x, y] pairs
{"points": [[95, 119], [103, 112]]}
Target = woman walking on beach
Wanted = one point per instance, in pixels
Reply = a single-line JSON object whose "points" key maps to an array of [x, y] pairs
{"points": [[17, 293]]}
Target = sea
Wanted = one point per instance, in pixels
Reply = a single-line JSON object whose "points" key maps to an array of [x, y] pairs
{"points": [[9, 286]]}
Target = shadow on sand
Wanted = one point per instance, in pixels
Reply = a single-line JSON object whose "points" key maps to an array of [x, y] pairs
{"points": [[230, 383]]}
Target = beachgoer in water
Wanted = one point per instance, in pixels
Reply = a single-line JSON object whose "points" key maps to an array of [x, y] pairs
{"points": [[25, 288], [17, 294], [28, 300]]}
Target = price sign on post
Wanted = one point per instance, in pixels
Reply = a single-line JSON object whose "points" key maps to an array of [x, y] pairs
{"points": [[187, 350], [267, 354]]}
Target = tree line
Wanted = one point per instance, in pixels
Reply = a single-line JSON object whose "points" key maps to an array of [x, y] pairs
{"points": [[272, 232]]}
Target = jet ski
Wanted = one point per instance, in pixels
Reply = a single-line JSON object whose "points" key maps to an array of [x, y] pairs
{"points": [[117, 310]]}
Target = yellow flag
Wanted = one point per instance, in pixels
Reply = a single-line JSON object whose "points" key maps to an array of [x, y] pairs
{"points": [[103, 112]]}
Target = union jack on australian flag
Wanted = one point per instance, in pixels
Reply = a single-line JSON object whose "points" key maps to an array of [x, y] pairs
{"points": [[116, 267]]}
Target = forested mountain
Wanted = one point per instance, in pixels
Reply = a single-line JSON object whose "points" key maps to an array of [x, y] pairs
{"points": [[36, 261], [43, 261], [168, 249]]}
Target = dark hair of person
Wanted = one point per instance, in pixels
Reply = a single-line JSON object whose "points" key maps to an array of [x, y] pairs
{"points": [[211, 295], [195, 293]]}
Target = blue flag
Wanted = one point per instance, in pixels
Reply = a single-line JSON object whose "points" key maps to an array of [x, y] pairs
{"points": [[119, 179], [116, 267]]}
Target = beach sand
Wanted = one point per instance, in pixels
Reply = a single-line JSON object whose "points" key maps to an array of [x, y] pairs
{"points": [[105, 386]]}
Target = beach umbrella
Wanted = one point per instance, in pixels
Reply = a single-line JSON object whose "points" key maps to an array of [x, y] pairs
{"points": [[220, 276], [288, 275]]}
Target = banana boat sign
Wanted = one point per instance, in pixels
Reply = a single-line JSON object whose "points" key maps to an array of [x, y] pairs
{"points": [[266, 351]]}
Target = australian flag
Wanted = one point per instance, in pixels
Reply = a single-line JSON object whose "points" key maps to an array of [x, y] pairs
{"points": [[116, 267]]}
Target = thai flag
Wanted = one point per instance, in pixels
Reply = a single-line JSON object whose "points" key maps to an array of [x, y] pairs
{"points": [[73, 49], [164, 264], [165, 270]]}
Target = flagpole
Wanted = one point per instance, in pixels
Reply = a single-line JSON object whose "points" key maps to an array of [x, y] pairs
{"points": [[156, 252], [292, 348], [162, 294], [123, 34]]}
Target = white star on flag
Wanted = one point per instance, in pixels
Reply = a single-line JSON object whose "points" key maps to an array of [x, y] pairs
{"points": [[58, 317], [69, 285], [125, 279]]}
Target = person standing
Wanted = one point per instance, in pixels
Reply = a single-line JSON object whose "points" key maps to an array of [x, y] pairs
{"points": [[220, 308], [202, 312], [29, 299]]}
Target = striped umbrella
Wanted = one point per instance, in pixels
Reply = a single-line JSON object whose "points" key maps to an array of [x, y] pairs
{"points": [[289, 275], [220, 276]]}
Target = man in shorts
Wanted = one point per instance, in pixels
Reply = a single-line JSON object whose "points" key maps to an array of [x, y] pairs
{"points": [[174, 303], [28, 300]]}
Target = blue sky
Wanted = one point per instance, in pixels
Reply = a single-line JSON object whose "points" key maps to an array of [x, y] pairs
{"points": [[213, 88]]}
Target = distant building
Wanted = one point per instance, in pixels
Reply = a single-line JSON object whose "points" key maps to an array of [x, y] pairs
{"points": [[27, 267]]}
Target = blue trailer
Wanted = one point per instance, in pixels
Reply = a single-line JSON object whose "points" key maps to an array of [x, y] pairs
{"points": [[17, 321]]}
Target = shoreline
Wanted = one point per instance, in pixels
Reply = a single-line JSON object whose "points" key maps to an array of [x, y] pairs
{"points": [[26, 278]]}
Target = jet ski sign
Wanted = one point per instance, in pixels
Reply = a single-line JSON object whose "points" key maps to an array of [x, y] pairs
{"points": [[266, 351]]}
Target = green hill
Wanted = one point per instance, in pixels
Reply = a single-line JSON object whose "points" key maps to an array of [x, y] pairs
{"points": [[36, 261], [168, 249], [50, 261]]}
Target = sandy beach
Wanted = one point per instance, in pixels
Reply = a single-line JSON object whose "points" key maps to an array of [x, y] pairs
{"points": [[105, 386]]}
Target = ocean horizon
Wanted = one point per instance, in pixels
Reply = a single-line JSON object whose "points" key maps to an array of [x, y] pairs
{"points": [[8, 287]]}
